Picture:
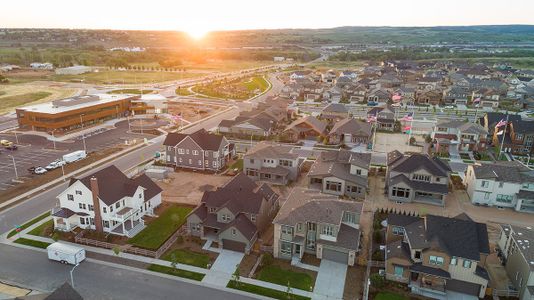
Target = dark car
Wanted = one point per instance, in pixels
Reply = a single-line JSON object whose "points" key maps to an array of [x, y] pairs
{"points": [[12, 147]]}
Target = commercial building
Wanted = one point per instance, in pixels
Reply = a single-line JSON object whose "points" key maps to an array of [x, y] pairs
{"points": [[68, 114]]}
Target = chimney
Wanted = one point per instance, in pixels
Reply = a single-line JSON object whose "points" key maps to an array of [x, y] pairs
{"points": [[96, 204]]}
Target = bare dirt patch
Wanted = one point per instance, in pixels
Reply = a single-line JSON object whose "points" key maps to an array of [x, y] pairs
{"points": [[187, 187]]}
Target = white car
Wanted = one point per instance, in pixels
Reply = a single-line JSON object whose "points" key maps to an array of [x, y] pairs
{"points": [[40, 170], [55, 164], [449, 107]]}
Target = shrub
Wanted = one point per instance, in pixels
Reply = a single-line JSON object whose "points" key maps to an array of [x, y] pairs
{"points": [[267, 259], [377, 236], [377, 256], [377, 281]]}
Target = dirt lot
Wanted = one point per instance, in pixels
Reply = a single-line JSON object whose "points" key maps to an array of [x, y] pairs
{"points": [[190, 111], [187, 187], [386, 142], [354, 283]]}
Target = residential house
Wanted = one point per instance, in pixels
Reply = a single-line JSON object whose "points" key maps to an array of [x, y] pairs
{"points": [[417, 178], [308, 127], [518, 137], [453, 136], [378, 96], [456, 95], [348, 73], [389, 81], [107, 201], [234, 215], [199, 150], [317, 224], [277, 164], [517, 254], [334, 112], [385, 117], [333, 94], [503, 184], [350, 131], [438, 257], [329, 77], [341, 173], [432, 97]]}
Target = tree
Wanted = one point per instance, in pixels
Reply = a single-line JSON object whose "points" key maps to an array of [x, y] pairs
{"points": [[412, 140], [288, 290], [377, 280], [116, 250], [236, 276], [377, 236]]}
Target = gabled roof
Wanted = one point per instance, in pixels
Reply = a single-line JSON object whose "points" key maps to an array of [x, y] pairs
{"points": [[313, 122], [64, 292], [504, 172], [113, 185], [335, 108], [409, 164], [352, 126], [271, 150], [243, 224], [206, 140]]}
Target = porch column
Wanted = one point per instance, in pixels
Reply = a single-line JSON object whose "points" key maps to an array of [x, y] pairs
{"points": [[123, 229]]}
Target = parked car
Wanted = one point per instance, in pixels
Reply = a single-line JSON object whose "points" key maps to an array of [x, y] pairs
{"points": [[11, 147], [449, 107], [40, 170], [5, 143]]}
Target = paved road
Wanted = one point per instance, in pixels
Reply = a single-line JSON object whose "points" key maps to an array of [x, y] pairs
{"points": [[97, 281]]}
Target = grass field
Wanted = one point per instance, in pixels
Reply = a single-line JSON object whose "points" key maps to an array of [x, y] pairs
{"points": [[258, 290], [28, 242], [176, 272], [40, 230], [389, 296], [240, 89], [183, 92], [9, 102], [16, 95], [281, 276], [188, 257], [29, 223], [131, 91], [124, 77], [159, 230]]}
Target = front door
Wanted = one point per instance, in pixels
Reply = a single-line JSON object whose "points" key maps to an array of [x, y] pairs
{"points": [[297, 250]]}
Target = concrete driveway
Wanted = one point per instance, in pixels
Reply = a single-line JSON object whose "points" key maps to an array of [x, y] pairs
{"points": [[223, 268], [330, 281]]}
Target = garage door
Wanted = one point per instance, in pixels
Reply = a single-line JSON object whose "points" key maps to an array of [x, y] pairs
{"points": [[336, 256], [233, 245]]}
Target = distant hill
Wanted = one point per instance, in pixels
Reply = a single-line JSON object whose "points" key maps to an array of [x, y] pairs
{"points": [[502, 34]]}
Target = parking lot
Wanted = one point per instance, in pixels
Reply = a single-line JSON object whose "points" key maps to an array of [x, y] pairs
{"points": [[34, 150]]}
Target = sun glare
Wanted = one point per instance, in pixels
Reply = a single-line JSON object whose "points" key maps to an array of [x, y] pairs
{"points": [[197, 33]]}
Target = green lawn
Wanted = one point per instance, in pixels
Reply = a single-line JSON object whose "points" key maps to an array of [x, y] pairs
{"points": [[176, 272], [126, 77], [20, 100], [258, 290], [29, 223], [183, 92], [32, 243], [131, 91], [40, 230], [389, 296], [188, 257], [257, 82], [238, 164], [281, 276], [159, 230]]}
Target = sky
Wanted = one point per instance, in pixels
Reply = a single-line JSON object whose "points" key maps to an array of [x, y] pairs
{"points": [[200, 16]]}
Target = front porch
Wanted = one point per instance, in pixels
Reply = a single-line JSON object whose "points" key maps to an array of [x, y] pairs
{"points": [[428, 285], [129, 229], [429, 198]]}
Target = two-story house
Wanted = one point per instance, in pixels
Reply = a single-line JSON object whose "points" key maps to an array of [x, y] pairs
{"points": [[458, 136], [334, 112], [385, 117], [199, 150], [234, 215], [438, 257], [518, 138], [417, 178], [277, 164], [308, 127], [350, 131], [317, 224], [516, 246], [503, 184], [107, 201], [341, 173]]}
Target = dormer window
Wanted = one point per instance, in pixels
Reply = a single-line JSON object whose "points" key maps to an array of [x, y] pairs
{"points": [[225, 217], [421, 177], [328, 230], [78, 192]]}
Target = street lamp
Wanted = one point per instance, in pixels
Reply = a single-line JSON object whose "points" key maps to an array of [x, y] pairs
{"points": [[71, 277], [54, 138], [83, 134], [16, 137], [14, 166]]}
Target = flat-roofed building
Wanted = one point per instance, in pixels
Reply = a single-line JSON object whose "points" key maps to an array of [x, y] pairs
{"points": [[67, 114]]}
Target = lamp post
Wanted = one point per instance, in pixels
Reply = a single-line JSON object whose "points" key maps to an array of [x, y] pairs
{"points": [[83, 134], [16, 137], [14, 166], [54, 138], [71, 277]]}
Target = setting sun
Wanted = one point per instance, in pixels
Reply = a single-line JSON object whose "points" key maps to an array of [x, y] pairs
{"points": [[197, 33]]}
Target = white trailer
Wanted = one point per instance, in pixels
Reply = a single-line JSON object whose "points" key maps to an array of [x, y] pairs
{"points": [[74, 156], [66, 254]]}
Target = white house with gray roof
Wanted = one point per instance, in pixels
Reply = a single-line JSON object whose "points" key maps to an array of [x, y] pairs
{"points": [[517, 247], [318, 224], [509, 184]]}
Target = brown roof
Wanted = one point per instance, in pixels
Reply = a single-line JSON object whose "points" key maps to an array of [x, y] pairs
{"points": [[311, 121], [113, 185], [204, 139], [243, 224], [352, 126]]}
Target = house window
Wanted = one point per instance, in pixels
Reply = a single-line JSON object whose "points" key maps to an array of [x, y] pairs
{"points": [[417, 255], [397, 230], [215, 154], [436, 260], [104, 209], [484, 184], [80, 206], [285, 163], [118, 204], [194, 152], [212, 209], [215, 164], [234, 232], [106, 224], [251, 161], [467, 264], [91, 207], [78, 192], [285, 248], [299, 227], [92, 221], [501, 185], [190, 161], [400, 192], [349, 217], [200, 162], [328, 230], [253, 218], [358, 172], [353, 189], [504, 198], [186, 151], [421, 177], [180, 159], [111, 209], [82, 221], [70, 197], [225, 217], [287, 230], [180, 151], [454, 261], [333, 186], [399, 271]]}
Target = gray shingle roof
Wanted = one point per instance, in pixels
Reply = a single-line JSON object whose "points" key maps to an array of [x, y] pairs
{"points": [[337, 164], [204, 139], [414, 162], [271, 150], [504, 172], [351, 126]]}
